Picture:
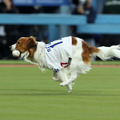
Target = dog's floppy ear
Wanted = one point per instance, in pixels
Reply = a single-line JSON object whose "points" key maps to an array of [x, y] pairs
{"points": [[31, 42]]}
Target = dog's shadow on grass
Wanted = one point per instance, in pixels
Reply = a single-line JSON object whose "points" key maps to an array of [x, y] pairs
{"points": [[37, 92], [30, 92]]}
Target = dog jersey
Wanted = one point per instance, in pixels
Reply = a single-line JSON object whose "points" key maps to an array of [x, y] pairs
{"points": [[58, 52]]}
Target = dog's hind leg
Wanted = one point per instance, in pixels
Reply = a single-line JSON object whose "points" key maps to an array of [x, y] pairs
{"points": [[72, 78], [63, 78]]}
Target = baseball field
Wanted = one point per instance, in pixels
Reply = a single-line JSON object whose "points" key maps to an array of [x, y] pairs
{"points": [[26, 93]]}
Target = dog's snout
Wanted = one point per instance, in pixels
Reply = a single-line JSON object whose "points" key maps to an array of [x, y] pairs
{"points": [[12, 47]]}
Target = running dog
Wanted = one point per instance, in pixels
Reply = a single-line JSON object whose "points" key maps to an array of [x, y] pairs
{"points": [[67, 57]]}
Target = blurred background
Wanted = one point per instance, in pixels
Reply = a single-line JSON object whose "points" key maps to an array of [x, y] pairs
{"points": [[96, 21]]}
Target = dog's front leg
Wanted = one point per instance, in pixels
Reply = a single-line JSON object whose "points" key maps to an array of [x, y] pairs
{"points": [[62, 76], [55, 77]]}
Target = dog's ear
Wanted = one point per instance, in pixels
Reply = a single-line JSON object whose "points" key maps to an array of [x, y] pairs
{"points": [[31, 42]]}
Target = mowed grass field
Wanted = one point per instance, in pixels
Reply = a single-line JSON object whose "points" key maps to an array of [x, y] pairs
{"points": [[28, 94]]}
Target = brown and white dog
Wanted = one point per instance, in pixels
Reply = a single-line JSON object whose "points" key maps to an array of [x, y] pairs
{"points": [[67, 61]]}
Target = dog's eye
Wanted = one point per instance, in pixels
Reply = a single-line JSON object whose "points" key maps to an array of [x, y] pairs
{"points": [[18, 43]]}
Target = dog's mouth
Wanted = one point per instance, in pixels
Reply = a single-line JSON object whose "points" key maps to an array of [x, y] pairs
{"points": [[23, 55], [18, 53]]}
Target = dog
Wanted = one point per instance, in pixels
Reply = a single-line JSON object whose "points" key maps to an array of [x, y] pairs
{"points": [[67, 57]]}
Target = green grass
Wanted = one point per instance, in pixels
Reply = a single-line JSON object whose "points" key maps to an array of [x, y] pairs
{"points": [[29, 94], [106, 62], [24, 62], [17, 62]]}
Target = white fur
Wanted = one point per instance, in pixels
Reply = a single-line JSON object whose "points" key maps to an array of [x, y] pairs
{"points": [[13, 47], [108, 52], [78, 66]]}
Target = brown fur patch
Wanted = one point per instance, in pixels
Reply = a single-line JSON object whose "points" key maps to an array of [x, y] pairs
{"points": [[27, 44], [74, 41], [87, 52]]}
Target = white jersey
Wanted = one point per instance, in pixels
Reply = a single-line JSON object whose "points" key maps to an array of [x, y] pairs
{"points": [[58, 52]]}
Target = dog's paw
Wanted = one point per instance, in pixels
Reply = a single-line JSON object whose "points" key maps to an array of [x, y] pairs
{"points": [[64, 83], [61, 84], [70, 91], [55, 79]]}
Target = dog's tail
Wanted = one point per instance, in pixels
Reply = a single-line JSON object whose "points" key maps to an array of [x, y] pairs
{"points": [[106, 53]]}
